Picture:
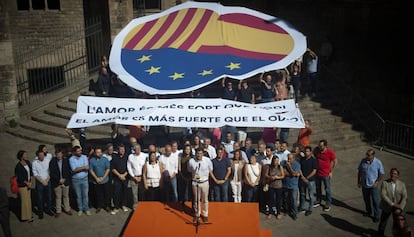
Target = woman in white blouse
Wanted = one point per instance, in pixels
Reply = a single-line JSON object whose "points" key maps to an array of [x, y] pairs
{"points": [[251, 175], [151, 173], [237, 165]]}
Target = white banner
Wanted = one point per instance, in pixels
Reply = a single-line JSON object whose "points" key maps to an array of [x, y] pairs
{"points": [[207, 113]]}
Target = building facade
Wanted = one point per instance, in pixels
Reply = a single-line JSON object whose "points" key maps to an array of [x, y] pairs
{"points": [[47, 45]]}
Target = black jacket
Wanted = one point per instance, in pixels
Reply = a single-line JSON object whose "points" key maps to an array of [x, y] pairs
{"points": [[21, 173], [55, 174]]}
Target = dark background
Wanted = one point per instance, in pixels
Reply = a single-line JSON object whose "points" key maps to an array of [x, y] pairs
{"points": [[371, 45]]}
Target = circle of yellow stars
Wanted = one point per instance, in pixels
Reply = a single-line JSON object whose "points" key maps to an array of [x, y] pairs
{"points": [[177, 75]]}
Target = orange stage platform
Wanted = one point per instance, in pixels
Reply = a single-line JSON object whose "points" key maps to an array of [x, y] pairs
{"points": [[156, 219]]}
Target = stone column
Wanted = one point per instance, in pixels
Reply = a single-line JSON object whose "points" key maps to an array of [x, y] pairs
{"points": [[120, 13], [9, 104]]}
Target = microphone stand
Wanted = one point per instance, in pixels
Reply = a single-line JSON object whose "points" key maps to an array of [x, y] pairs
{"points": [[197, 222], [197, 215]]}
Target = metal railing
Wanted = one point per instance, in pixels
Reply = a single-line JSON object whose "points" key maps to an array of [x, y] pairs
{"points": [[398, 137], [56, 62], [387, 135]]}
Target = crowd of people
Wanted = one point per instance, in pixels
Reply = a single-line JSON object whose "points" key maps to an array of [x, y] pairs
{"points": [[221, 165], [283, 181], [296, 81]]}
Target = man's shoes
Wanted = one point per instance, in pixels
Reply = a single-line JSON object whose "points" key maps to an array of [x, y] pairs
{"points": [[68, 212], [125, 209], [302, 211], [327, 208], [278, 216], [50, 213], [294, 217], [80, 213], [114, 211], [107, 209], [316, 204], [205, 219], [308, 213], [57, 215], [88, 213], [98, 210]]}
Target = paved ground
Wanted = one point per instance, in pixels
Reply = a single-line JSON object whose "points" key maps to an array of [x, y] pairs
{"points": [[345, 218]]}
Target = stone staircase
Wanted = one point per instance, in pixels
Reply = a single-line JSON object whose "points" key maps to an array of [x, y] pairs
{"points": [[47, 124]]}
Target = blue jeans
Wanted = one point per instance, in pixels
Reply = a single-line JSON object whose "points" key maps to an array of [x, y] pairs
{"points": [[170, 190], [292, 200], [221, 192], [284, 134], [41, 190], [310, 188], [327, 184], [251, 193], [372, 194], [312, 83], [81, 187], [275, 200]]}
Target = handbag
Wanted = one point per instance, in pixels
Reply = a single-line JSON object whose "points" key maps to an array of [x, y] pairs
{"points": [[14, 187], [265, 187]]}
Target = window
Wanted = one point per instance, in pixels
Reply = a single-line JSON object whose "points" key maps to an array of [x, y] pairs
{"points": [[23, 5], [152, 4], [45, 79], [53, 4], [26, 5], [38, 5]]}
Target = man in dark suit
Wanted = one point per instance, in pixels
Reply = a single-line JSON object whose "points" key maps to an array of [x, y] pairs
{"points": [[60, 176]]}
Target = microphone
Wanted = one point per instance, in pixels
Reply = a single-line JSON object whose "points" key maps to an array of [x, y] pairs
{"points": [[197, 175]]}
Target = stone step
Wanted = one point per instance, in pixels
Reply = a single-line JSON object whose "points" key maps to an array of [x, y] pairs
{"points": [[54, 111], [32, 135], [67, 105], [61, 123], [47, 129]]}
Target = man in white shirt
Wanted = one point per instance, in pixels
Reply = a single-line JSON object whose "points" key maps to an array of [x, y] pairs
{"points": [[152, 147], [170, 164], [236, 147], [136, 162], [48, 155], [283, 153], [174, 149], [43, 185], [201, 169], [209, 148], [228, 143]]}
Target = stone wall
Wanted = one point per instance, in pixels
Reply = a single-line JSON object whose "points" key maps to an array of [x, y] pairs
{"points": [[8, 96], [32, 26], [120, 14], [45, 39]]}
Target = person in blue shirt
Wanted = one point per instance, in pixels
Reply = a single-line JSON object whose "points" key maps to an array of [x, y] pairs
{"points": [[80, 166], [291, 184], [99, 168], [370, 173], [229, 92]]}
